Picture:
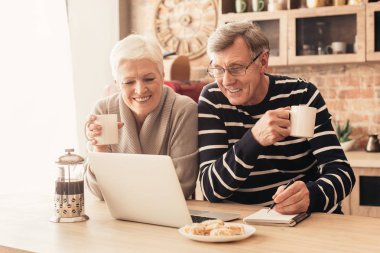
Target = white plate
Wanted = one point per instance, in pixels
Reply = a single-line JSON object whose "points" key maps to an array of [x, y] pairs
{"points": [[249, 230]]}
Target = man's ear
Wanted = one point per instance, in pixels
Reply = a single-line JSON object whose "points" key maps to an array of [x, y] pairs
{"points": [[264, 59]]}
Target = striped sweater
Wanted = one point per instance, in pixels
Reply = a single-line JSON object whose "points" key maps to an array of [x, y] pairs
{"points": [[235, 167]]}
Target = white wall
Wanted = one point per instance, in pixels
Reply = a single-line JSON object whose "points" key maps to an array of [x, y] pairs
{"points": [[94, 29]]}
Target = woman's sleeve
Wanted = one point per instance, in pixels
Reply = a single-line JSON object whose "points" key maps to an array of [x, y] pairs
{"points": [[184, 146], [89, 176]]}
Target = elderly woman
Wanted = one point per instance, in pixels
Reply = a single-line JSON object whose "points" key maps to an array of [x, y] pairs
{"points": [[153, 118]]}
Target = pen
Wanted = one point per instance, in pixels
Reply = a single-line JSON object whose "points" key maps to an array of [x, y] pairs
{"points": [[286, 186]]}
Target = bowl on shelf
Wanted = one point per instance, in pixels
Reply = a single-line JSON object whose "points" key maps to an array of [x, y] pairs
{"points": [[348, 145], [315, 3]]}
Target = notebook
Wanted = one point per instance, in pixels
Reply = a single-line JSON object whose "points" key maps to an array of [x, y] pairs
{"points": [[273, 218], [145, 188]]}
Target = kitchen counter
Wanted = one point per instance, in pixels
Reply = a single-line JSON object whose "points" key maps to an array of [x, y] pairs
{"points": [[363, 159]]}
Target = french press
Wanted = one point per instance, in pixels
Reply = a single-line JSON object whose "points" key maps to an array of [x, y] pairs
{"points": [[69, 189]]}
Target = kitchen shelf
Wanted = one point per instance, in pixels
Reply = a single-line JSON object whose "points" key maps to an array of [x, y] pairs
{"points": [[273, 26], [290, 30], [342, 24]]}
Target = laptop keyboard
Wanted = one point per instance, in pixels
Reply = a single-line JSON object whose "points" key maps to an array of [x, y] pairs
{"points": [[199, 219]]}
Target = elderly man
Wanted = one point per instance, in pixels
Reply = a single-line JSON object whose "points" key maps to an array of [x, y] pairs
{"points": [[246, 152]]}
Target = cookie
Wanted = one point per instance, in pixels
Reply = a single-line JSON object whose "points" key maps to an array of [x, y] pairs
{"points": [[235, 229], [222, 231], [195, 229]]}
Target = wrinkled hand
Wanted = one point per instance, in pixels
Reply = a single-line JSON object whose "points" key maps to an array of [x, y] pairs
{"points": [[93, 130], [273, 126], [294, 199]]}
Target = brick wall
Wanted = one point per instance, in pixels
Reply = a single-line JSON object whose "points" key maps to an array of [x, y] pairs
{"points": [[351, 91]]}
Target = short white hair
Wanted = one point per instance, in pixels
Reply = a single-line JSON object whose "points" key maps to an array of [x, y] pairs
{"points": [[136, 47]]}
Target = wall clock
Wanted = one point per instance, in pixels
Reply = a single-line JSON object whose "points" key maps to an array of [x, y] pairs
{"points": [[183, 26]]}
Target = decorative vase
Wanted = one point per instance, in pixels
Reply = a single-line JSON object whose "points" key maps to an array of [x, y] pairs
{"points": [[348, 145]]}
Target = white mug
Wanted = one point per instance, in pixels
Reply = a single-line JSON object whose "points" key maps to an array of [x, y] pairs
{"points": [[275, 5], [110, 132], [258, 5], [240, 6], [302, 121], [337, 47]]}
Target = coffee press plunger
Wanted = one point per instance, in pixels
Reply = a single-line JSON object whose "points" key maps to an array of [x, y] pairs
{"points": [[69, 189]]}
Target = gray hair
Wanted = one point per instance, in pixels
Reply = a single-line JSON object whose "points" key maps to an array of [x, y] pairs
{"points": [[135, 47], [224, 36]]}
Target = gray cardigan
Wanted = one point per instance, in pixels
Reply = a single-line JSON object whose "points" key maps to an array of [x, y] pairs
{"points": [[171, 129]]}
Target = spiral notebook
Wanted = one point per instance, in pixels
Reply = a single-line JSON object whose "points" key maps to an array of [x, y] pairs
{"points": [[273, 218]]}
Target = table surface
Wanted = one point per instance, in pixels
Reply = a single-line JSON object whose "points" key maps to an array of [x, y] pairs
{"points": [[25, 225]]}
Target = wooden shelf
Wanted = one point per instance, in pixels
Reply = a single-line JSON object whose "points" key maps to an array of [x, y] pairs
{"points": [[274, 27], [353, 24], [344, 24]]}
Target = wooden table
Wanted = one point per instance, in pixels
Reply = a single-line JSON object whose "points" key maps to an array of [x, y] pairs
{"points": [[25, 225]]}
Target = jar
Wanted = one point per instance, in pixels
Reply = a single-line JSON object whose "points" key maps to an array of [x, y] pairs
{"points": [[307, 50]]}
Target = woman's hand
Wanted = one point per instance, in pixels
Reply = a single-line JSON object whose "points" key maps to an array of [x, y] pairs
{"points": [[93, 130]]}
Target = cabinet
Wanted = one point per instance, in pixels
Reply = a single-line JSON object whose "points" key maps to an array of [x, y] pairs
{"points": [[364, 199], [373, 31], [319, 28], [299, 35]]}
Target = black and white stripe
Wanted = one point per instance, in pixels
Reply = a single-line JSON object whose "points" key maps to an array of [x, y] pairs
{"points": [[235, 167]]}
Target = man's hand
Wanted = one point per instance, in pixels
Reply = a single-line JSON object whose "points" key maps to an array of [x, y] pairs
{"points": [[294, 199], [273, 126]]}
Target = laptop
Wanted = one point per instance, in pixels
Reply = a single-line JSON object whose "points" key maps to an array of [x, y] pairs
{"points": [[145, 188]]}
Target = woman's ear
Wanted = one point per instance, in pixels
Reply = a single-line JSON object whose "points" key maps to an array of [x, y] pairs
{"points": [[117, 84]]}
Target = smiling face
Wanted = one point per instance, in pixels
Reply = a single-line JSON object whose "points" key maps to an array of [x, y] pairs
{"points": [[248, 89], [141, 85]]}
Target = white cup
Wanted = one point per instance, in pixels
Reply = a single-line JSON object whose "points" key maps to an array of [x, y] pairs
{"points": [[337, 47], [240, 6], [274, 7], [258, 5], [302, 121], [110, 132]]}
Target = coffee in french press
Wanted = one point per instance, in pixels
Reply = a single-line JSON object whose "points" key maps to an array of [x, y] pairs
{"points": [[69, 189]]}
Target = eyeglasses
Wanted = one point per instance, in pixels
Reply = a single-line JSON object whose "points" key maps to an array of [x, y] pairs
{"points": [[234, 70]]}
